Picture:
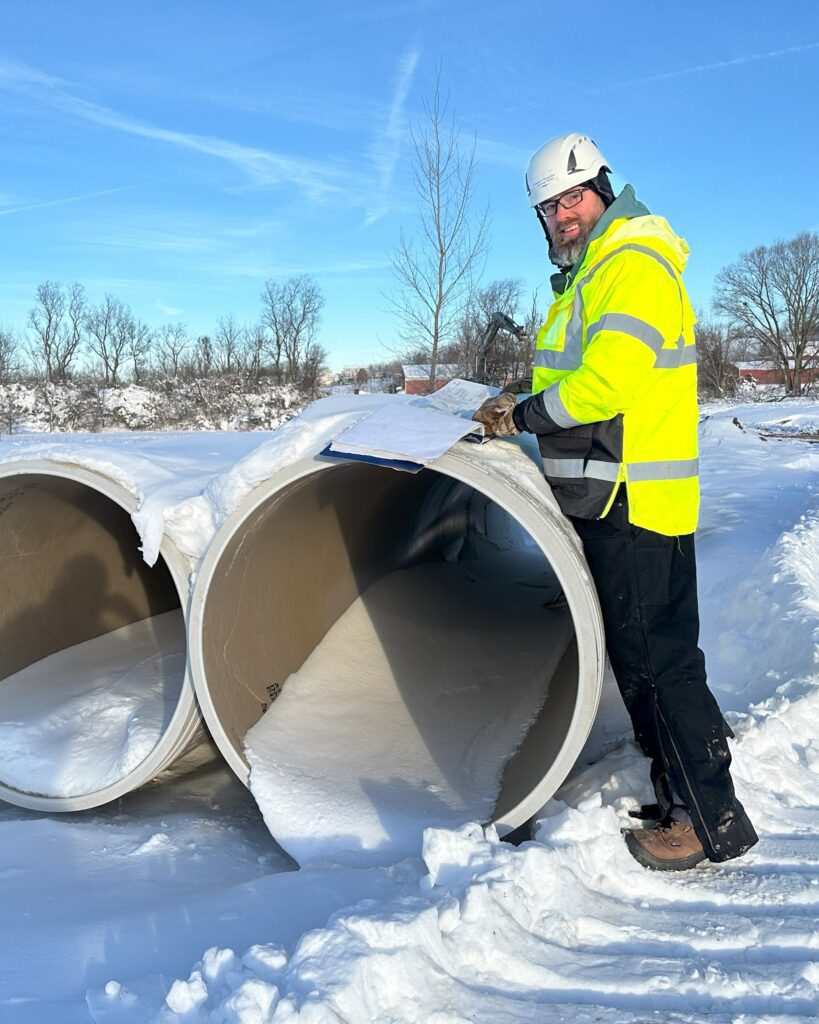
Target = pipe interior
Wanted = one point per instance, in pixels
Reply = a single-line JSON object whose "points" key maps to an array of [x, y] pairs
{"points": [[72, 572], [310, 550]]}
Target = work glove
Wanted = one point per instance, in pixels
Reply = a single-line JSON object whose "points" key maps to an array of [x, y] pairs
{"points": [[522, 386], [496, 415]]}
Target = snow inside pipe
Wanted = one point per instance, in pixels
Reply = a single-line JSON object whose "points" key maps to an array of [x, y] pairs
{"points": [[378, 651], [94, 695]]}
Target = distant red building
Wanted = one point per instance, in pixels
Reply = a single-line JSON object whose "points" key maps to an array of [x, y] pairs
{"points": [[416, 377], [763, 371]]}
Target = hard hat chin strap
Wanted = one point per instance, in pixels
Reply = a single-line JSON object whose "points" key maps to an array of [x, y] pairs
{"points": [[541, 216], [552, 254]]}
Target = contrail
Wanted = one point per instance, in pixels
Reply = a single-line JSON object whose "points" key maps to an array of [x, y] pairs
{"points": [[388, 144], [747, 59], [262, 167], [68, 199]]}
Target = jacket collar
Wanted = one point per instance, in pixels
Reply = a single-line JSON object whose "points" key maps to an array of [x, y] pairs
{"points": [[625, 206]]}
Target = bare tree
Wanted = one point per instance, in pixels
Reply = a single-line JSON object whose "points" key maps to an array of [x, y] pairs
{"points": [[9, 367], [504, 360], [204, 358], [111, 329], [532, 322], [435, 272], [55, 321], [291, 312], [770, 296], [140, 344], [255, 345], [45, 319], [227, 344], [171, 345], [10, 410], [312, 367], [73, 337], [9, 370], [717, 353]]}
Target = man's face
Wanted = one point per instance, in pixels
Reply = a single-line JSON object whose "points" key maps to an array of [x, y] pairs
{"points": [[569, 230]]}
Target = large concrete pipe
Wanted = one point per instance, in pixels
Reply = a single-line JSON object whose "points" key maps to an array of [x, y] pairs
{"points": [[304, 545], [77, 598]]}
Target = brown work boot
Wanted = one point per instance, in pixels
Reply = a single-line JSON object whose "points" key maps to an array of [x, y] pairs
{"points": [[669, 846]]}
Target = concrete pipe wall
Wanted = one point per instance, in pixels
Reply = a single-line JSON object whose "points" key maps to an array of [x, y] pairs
{"points": [[308, 542], [73, 572]]}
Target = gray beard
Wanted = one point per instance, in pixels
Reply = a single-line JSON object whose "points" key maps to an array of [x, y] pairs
{"points": [[567, 254]]}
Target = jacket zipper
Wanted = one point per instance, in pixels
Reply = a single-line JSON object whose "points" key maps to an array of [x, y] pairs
{"points": [[621, 479]]}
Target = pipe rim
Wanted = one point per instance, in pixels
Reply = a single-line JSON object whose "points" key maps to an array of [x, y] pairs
{"points": [[563, 552], [186, 720]]}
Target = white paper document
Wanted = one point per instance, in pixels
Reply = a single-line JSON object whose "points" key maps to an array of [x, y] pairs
{"points": [[405, 433], [458, 397], [421, 430]]}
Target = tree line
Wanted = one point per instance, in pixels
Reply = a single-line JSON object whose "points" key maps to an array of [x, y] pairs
{"points": [[766, 307], [66, 337]]}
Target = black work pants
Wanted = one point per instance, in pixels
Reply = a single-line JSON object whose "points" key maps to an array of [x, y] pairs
{"points": [[647, 586]]}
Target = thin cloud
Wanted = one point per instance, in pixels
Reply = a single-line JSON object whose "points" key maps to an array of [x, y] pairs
{"points": [[338, 112], [67, 199], [262, 168], [697, 68], [137, 239], [168, 310], [264, 269], [258, 229], [501, 154], [21, 74], [388, 145]]}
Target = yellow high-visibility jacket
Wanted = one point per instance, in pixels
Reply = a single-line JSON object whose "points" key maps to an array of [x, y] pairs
{"points": [[615, 376]]}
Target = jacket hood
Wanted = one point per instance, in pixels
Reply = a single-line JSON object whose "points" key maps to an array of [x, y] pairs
{"points": [[636, 220]]}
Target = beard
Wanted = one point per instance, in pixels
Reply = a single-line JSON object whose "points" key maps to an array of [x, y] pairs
{"points": [[566, 254]]}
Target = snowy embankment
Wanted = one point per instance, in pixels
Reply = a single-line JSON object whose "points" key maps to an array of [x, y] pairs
{"points": [[220, 402], [181, 881]]}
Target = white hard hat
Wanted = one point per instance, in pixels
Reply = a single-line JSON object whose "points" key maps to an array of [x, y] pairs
{"points": [[565, 161]]}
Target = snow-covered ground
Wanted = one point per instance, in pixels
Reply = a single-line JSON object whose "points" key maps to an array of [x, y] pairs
{"points": [[175, 905]]}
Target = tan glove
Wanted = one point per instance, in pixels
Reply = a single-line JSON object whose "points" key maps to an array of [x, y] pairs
{"points": [[521, 386], [496, 415]]}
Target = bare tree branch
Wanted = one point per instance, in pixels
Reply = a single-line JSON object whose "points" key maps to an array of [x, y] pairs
{"points": [[770, 296], [435, 273], [9, 366], [171, 344], [717, 354], [111, 328], [227, 344], [140, 345], [291, 312]]}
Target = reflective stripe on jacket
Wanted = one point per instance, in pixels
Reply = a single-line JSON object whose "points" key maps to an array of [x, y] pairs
{"points": [[615, 377]]}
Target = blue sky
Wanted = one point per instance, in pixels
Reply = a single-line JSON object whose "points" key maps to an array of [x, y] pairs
{"points": [[178, 154]]}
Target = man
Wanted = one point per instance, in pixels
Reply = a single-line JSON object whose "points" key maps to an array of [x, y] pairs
{"points": [[614, 407]]}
